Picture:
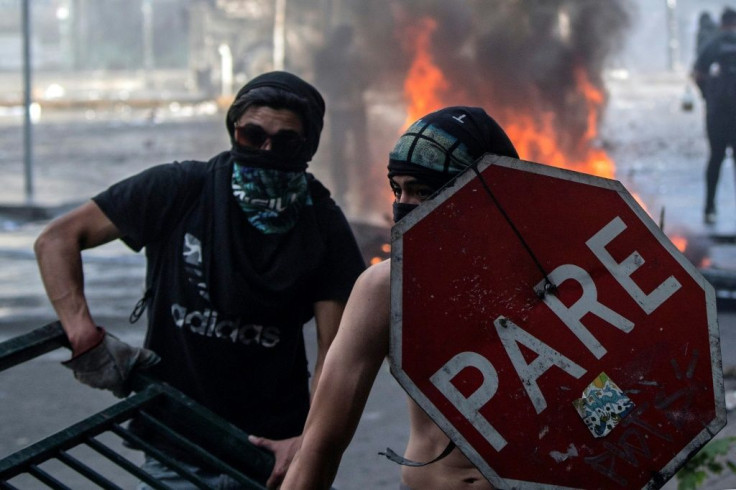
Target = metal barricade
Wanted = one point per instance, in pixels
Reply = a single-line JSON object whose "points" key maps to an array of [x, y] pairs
{"points": [[164, 410]]}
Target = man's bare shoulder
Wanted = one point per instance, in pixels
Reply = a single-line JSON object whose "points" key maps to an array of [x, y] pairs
{"points": [[368, 306], [377, 276]]}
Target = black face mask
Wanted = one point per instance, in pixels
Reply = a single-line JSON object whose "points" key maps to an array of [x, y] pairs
{"points": [[402, 209]]}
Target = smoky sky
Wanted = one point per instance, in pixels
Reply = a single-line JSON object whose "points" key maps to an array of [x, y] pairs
{"points": [[508, 56]]}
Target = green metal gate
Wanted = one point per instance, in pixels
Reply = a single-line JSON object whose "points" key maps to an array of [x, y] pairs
{"points": [[165, 410]]}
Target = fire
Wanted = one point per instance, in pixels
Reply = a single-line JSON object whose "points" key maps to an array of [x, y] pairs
{"points": [[594, 100], [425, 83], [538, 140], [694, 251], [680, 242], [385, 253], [601, 164], [537, 136]]}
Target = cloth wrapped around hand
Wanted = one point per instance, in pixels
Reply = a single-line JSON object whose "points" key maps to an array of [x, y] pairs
{"points": [[108, 365]]}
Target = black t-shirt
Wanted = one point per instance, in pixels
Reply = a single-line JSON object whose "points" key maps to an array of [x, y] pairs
{"points": [[229, 302]]}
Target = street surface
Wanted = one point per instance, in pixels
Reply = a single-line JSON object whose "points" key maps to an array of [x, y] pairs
{"points": [[659, 150]]}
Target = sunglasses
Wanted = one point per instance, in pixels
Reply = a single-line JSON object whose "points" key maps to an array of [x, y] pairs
{"points": [[284, 143]]}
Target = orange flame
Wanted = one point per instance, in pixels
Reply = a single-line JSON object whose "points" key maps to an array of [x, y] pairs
{"points": [[425, 82], [680, 242], [536, 136], [601, 164], [594, 100]]}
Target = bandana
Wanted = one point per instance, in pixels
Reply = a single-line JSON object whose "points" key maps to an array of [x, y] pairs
{"points": [[272, 200], [401, 209], [267, 269], [271, 190]]}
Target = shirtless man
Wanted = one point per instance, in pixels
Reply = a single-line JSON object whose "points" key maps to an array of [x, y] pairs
{"points": [[432, 151]]}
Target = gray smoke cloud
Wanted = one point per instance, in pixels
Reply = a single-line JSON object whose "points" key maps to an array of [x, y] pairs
{"points": [[518, 59], [508, 56]]}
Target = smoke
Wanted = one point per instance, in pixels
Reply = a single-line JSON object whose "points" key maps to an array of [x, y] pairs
{"points": [[508, 56], [518, 59]]}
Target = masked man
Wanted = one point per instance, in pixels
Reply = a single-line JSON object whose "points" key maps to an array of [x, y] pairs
{"points": [[429, 154], [241, 251]]}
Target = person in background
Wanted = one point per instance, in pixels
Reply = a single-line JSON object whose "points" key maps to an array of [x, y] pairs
{"points": [[715, 74], [241, 252], [707, 27], [429, 154]]}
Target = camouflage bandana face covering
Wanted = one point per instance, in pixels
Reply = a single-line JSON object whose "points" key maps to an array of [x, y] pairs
{"points": [[271, 199]]}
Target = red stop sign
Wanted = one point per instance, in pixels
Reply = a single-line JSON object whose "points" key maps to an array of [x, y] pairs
{"points": [[549, 327]]}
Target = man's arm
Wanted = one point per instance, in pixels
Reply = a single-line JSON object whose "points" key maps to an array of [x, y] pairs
{"points": [[327, 315], [59, 254], [98, 359], [348, 374]]}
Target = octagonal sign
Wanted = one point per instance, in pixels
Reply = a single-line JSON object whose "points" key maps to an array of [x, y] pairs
{"points": [[555, 334]]}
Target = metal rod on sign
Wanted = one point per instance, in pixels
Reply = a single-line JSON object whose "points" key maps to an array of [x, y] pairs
{"points": [[549, 286], [27, 122], [661, 219]]}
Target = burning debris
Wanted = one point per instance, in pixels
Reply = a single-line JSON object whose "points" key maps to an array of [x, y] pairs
{"points": [[537, 66]]}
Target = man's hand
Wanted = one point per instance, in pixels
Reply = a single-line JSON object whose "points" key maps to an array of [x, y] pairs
{"points": [[284, 451], [108, 364]]}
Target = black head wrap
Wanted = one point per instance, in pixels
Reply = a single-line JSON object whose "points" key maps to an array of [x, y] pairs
{"points": [[313, 119], [442, 144]]}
